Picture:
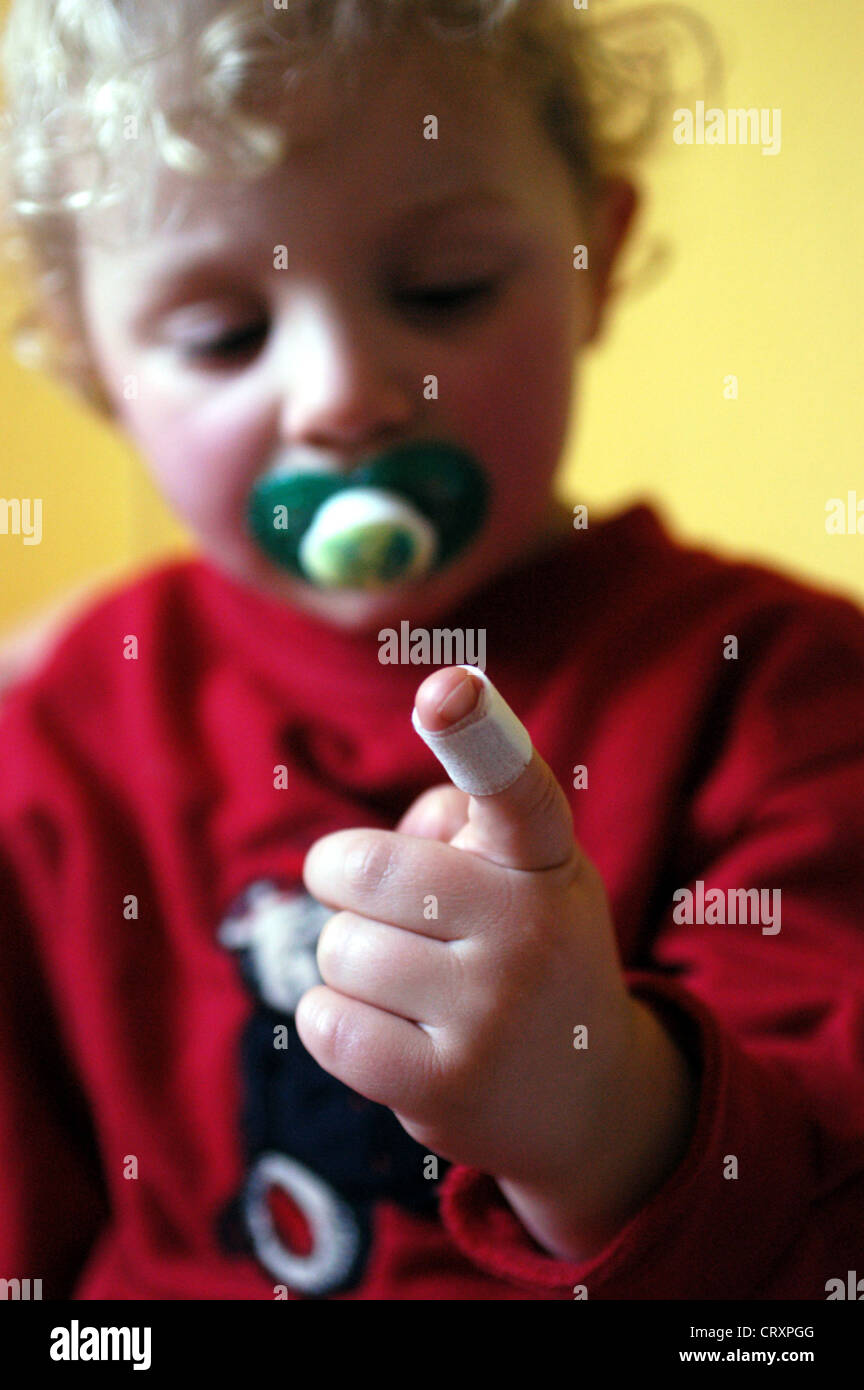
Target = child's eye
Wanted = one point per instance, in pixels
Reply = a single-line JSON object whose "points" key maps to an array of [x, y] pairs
{"points": [[447, 298], [234, 344]]}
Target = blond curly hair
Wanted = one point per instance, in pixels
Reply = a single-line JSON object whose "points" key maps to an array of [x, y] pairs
{"points": [[190, 84]]}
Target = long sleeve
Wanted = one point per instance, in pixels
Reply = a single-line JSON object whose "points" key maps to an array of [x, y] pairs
{"points": [[127, 1034], [51, 1200], [768, 1202]]}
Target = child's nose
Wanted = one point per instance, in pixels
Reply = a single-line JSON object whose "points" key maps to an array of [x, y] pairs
{"points": [[346, 389]]}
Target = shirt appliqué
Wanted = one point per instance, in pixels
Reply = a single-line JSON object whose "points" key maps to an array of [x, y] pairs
{"points": [[318, 1154]]}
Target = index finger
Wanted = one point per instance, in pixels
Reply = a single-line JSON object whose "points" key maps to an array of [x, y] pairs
{"points": [[518, 816]]}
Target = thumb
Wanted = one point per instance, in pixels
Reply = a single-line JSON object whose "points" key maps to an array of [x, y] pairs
{"points": [[518, 816]]}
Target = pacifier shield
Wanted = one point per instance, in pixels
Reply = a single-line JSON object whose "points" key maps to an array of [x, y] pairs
{"points": [[281, 509], [405, 513], [443, 482]]}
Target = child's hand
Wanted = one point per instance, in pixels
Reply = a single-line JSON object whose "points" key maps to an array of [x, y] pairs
{"points": [[455, 977]]}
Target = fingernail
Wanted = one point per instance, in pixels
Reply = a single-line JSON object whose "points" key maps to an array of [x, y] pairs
{"points": [[483, 754], [460, 701]]}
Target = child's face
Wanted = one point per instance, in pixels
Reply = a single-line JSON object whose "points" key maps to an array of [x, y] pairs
{"points": [[331, 354]]}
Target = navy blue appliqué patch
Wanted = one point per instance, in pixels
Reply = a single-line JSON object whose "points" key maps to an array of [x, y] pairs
{"points": [[318, 1154]]}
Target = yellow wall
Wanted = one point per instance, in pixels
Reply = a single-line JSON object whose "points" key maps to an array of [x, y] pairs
{"points": [[764, 282]]}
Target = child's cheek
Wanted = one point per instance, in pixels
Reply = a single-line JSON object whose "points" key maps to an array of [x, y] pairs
{"points": [[514, 403], [201, 464]]}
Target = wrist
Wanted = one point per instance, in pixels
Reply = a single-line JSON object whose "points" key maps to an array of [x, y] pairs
{"points": [[645, 1133]]}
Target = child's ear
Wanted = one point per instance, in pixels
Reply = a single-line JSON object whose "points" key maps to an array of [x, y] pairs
{"points": [[615, 206]]}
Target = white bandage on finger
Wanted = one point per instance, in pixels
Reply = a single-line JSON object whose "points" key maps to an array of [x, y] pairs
{"points": [[486, 751]]}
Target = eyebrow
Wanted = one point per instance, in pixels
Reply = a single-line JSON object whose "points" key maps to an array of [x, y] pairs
{"points": [[441, 204], [410, 214], [413, 215]]}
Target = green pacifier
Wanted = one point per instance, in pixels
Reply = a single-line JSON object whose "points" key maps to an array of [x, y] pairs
{"points": [[401, 516]]}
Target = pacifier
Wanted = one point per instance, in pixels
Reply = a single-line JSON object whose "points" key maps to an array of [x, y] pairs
{"points": [[401, 516]]}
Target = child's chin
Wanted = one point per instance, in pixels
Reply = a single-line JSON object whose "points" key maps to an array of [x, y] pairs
{"points": [[355, 610], [366, 610], [359, 611], [363, 610]]}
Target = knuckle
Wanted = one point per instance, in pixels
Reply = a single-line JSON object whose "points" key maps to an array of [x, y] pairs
{"points": [[544, 798], [330, 943], [431, 799], [367, 863], [333, 1028], [437, 814]]}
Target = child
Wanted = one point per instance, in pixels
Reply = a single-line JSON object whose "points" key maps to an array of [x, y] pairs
{"points": [[284, 1015]]}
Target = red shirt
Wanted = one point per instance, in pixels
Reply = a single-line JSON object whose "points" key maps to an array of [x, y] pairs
{"points": [[146, 1121]]}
